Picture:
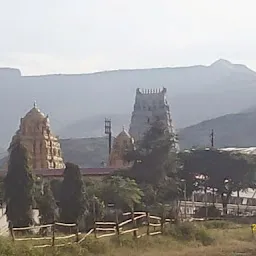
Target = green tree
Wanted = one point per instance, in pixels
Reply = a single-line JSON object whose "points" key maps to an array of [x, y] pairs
{"points": [[155, 166], [56, 188], [122, 192], [47, 206], [155, 158], [18, 186], [1, 190], [95, 204], [72, 196], [224, 172]]}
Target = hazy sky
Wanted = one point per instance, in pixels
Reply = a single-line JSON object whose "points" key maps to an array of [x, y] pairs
{"points": [[64, 36]]}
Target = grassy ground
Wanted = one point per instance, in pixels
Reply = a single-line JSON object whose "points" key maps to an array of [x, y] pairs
{"points": [[212, 240]]}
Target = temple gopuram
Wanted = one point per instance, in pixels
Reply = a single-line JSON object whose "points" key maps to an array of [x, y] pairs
{"points": [[43, 147]]}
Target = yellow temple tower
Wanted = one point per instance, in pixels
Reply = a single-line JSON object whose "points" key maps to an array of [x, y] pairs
{"points": [[122, 143], [43, 147]]}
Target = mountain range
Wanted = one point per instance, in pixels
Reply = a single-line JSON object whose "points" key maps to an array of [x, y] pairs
{"points": [[232, 130], [195, 94], [220, 97]]}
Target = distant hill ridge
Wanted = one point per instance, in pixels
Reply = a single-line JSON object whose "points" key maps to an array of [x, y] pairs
{"points": [[195, 93], [232, 130]]}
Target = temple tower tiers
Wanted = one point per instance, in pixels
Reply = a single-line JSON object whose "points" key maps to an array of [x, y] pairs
{"points": [[122, 143], [43, 147], [150, 105]]}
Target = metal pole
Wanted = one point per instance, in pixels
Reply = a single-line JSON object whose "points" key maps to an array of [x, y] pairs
{"points": [[109, 142], [185, 198], [94, 217], [206, 203], [108, 131], [212, 138]]}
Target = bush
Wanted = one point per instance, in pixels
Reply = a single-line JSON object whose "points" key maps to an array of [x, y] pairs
{"points": [[218, 224], [95, 246], [203, 236], [183, 231], [212, 211], [188, 231], [126, 241]]}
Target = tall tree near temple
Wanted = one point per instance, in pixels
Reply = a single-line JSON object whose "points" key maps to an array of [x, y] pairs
{"points": [[56, 188], [155, 158], [1, 190], [18, 186], [94, 202], [122, 192], [72, 196], [225, 172], [47, 206], [155, 165]]}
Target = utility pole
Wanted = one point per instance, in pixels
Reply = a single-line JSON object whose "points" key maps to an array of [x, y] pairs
{"points": [[185, 197], [212, 138], [108, 131]]}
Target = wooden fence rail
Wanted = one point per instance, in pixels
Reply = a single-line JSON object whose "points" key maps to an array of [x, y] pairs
{"points": [[101, 229], [51, 238]]}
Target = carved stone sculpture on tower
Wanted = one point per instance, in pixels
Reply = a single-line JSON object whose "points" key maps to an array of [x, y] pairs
{"points": [[43, 147]]}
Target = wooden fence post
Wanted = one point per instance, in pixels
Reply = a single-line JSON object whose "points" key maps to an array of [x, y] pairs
{"points": [[162, 224], [148, 222], [77, 233], [53, 233], [94, 217], [134, 224], [11, 231], [162, 220], [95, 229], [117, 228]]}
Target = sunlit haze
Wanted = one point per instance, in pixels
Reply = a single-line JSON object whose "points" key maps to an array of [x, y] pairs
{"points": [[63, 36]]}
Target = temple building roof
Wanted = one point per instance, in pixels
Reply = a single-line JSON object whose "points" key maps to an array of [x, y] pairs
{"points": [[42, 145], [122, 143], [35, 113], [123, 134]]}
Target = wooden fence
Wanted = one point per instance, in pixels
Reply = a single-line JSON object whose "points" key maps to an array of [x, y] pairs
{"points": [[99, 230]]}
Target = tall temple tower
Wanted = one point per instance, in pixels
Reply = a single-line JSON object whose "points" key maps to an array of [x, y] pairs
{"points": [[150, 105], [43, 147]]}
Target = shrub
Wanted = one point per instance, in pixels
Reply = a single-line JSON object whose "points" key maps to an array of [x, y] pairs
{"points": [[218, 224], [212, 211], [126, 241], [188, 231], [95, 246], [203, 236]]}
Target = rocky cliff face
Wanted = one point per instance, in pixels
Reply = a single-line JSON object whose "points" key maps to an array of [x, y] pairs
{"points": [[9, 73]]}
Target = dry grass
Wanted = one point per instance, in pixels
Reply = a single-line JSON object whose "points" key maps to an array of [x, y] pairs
{"points": [[227, 242]]}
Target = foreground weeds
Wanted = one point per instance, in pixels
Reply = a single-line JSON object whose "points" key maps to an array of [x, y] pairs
{"points": [[191, 232], [185, 239]]}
